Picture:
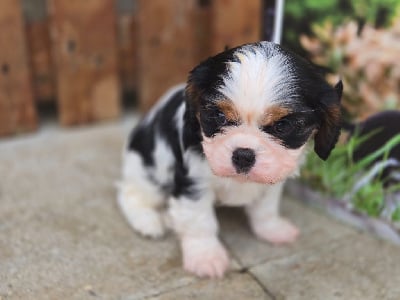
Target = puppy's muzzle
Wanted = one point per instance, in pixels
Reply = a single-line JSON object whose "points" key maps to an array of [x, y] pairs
{"points": [[243, 159]]}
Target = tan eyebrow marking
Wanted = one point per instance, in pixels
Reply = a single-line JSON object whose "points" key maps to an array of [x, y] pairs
{"points": [[273, 114], [229, 110]]}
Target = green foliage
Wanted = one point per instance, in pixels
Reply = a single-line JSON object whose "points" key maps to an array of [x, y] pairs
{"points": [[339, 175], [396, 215], [370, 198], [301, 15]]}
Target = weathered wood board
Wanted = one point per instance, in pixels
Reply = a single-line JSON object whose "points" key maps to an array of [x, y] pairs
{"points": [[166, 46], [234, 22], [17, 110], [43, 77], [84, 43]]}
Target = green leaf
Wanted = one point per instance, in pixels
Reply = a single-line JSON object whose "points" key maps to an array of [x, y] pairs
{"points": [[338, 175], [396, 214]]}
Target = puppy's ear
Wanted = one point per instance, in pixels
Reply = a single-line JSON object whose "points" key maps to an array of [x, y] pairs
{"points": [[192, 95], [339, 89], [330, 115], [195, 86]]}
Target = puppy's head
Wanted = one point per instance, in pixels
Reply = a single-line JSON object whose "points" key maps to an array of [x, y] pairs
{"points": [[257, 106]]}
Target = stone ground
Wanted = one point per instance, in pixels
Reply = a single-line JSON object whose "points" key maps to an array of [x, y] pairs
{"points": [[62, 237]]}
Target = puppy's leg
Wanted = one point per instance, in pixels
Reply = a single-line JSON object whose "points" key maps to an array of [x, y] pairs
{"points": [[140, 199], [195, 223], [265, 220]]}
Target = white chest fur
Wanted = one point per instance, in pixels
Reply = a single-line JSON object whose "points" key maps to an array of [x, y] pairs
{"points": [[233, 193]]}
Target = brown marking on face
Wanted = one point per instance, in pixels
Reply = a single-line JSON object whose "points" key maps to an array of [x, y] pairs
{"points": [[193, 95], [273, 114], [229, 110], [249, 117]]}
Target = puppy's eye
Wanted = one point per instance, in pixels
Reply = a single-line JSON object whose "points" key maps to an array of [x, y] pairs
{"points": [[283, 127], [220, 119]]}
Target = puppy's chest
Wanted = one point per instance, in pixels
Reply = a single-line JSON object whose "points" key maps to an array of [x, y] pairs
{"points": [[233, 193]]}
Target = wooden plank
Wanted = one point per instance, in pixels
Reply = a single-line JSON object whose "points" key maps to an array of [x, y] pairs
{"points": [[166, 46], [202, 30], [83, 35], [235, 22], [39, 45], [17, 112], [127, 51]]}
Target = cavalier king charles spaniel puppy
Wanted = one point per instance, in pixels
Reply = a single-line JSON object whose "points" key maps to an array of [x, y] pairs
{"points": [[231, 135]]}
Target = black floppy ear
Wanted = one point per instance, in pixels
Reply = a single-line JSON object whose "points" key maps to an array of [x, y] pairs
{"points": [[194, 86], [192, 96], [330, 115], [339, 89]]}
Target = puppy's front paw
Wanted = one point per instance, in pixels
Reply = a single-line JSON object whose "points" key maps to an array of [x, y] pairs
{"points": [[148, 222], [205, 257], [276, 231]]}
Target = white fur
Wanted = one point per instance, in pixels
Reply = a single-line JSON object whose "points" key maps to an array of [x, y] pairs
{"points": [[256, 82], [162, 101], [179, 121], [230, 192], [205, 256], [164, 160], [199, 169], [195, 223], [139, 199], [265, 221]]}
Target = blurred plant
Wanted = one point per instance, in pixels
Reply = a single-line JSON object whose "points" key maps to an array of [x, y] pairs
{"points": [[367, 61], [300, 16], [359, 184]]}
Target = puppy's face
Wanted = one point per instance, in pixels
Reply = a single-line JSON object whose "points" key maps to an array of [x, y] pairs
{"points": [[257, 106]]}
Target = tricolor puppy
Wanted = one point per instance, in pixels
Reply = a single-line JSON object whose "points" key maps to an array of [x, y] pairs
{"points": [[230, 136]]}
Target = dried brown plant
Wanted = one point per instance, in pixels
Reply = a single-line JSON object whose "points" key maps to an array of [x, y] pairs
{"points": [[367, 60]]}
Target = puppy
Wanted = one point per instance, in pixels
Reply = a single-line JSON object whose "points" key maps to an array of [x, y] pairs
{"points": [[230, 136]]}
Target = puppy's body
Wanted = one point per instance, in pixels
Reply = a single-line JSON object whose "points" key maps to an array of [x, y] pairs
{"points": [[231, 136]]}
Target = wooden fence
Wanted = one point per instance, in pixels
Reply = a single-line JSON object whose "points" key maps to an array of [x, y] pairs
{"points": [[83, 54]]}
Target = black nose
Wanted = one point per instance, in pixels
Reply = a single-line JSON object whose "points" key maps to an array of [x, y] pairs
{"points": [[243, 159]]}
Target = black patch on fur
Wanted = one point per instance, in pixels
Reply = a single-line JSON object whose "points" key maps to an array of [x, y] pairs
{"points": [[163, 125], [213, 120], [207, 78], [293, 130], [142, 140], [316, 94], [183, 184], [191, 135], [167, 124]]}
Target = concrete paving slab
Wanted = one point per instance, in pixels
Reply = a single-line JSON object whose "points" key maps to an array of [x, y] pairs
{"points": [[315, 229], [234, 286], [355, 267], [62, 236], [61, 233]]}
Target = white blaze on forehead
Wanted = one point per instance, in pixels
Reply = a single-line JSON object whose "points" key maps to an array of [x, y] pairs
{"points": [[261, 77]]}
